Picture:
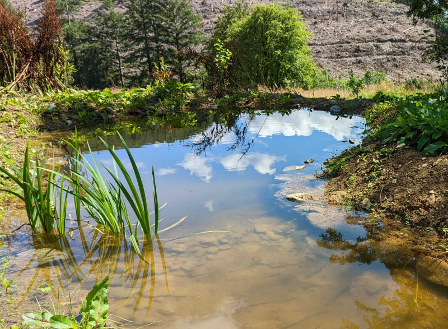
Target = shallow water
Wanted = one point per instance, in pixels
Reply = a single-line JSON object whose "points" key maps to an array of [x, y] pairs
{"points": [[274, 263]]}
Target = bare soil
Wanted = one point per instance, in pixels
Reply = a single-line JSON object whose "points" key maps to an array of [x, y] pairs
{"points": [[356, 34], [405, 193]]}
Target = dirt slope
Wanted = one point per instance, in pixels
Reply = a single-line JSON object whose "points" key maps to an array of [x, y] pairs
{"points": [[355, 34]]}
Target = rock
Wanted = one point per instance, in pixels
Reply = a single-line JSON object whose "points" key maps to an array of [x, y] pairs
{"points": [[69, 122], [294, 168], [366, 203], [399, 146], [337, 197], [298, 197], [394, 181], [335, 109], [213, 107], [309, 161], [433, 270]]}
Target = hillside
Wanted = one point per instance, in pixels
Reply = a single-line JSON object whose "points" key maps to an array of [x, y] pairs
{"points": [[356, 35]]}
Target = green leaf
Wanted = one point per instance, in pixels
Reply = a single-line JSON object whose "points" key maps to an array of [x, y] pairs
{"points": [[37, 320], [422, 141], [97, 304], [431, 148], [62, 322]]}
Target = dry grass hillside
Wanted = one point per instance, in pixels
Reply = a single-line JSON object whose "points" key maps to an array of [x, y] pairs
{"points": [[356, 35]]}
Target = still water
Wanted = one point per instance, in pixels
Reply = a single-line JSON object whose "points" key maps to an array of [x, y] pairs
{"points": [[264, 262]]}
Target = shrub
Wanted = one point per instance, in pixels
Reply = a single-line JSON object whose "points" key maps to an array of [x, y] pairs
{"points": [[27, 62], [374, 77], [270, 45], [355, 84], [414, 83]]}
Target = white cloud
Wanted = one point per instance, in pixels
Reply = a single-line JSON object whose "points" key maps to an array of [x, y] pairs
{"points": [[302, 123], [261, 162], [166, 171], [198, 166]]}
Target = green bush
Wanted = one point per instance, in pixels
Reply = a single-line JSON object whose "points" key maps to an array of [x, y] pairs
{"points": [[271, 45], [355, 84], [374, 77], [414, 83], [323, 80]]}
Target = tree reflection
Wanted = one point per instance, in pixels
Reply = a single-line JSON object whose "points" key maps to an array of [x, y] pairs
{"points": [[413, 305]]}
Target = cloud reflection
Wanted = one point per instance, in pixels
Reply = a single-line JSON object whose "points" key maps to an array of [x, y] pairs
{"points": [[302, 123], [198, 166], [261, 162], [166, 171]]}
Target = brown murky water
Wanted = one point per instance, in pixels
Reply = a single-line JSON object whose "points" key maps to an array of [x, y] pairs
{"points": [[278, 265]]}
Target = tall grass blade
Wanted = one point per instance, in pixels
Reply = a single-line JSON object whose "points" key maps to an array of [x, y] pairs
{"points": [[156, 203]]}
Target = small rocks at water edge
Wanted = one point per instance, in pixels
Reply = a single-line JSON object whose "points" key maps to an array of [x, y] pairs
{"points": [[335, 109], [298, 197], [292, 168], [309, 161], [366, 203]]}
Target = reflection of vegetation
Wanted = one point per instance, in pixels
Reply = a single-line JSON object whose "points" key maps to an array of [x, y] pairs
{"points": [[361, 251], [103, 255], [230, 123], [410, 306]]}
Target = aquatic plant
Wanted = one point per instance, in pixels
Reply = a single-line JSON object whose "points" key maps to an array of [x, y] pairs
{"points": [[104, 201], [39, 201]]}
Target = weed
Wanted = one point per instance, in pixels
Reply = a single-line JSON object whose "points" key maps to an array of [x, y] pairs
{"points": [[422, 123]]}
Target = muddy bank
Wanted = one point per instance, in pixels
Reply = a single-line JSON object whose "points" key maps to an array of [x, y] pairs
{"points": [[405, 195]]}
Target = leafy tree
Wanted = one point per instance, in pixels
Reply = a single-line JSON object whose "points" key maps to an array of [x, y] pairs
{"points": [[436, 10], [427, 8], [181, 30], [230, 15], [271, 45]]}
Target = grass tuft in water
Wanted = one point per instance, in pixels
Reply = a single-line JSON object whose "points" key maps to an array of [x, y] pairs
{"points": [[30, 188]]}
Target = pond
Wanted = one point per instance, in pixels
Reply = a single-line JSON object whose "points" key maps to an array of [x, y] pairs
{"points": [[244, 257]]}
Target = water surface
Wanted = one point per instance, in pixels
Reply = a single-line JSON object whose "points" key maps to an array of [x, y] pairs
{"points": [[275, 264]]}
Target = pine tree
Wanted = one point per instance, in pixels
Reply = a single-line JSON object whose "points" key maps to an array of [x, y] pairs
{"points": [[180, 30], [111, 33], [145, 27]]}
